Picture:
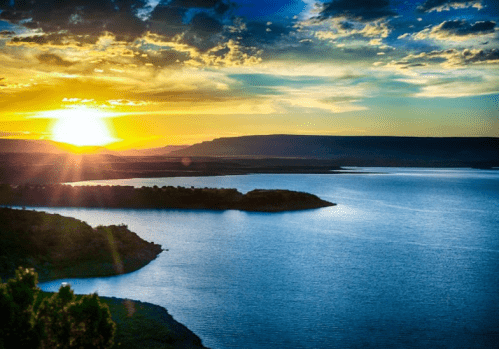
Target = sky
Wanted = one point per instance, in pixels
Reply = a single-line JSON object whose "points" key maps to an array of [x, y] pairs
{"points": [[142, 74]]}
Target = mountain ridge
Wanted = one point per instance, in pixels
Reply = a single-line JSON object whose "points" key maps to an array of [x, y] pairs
{"points": [[360, 149]]}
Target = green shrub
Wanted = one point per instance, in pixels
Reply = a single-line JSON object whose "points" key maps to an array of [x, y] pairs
{"points": [[61, 321]]}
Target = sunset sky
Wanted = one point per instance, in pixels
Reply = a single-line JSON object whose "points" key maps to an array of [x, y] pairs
{"points": [[136, 73]]}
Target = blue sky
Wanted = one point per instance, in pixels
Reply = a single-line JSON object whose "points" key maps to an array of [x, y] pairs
{"points": [[209, 68]]}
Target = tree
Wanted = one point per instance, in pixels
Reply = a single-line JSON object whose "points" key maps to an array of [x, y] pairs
{"points": [[62, 321]]}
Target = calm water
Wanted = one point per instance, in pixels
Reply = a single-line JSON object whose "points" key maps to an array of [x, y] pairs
{"points": [[408, 259]]}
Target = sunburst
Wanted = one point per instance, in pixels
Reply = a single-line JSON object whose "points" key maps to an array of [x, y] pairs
{"points": [[81, 126]]}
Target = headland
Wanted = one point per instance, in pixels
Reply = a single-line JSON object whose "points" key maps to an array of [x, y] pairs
{"points": [[160, 198]]}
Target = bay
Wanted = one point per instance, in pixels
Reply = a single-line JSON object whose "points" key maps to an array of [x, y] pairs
{"points": [[408, 258]]}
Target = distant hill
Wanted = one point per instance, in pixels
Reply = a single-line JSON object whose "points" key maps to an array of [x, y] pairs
{"points": [[162, 151], [356, 150], [51, 147], [29, 146]]}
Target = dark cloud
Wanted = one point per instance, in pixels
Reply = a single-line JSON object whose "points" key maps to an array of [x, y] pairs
{"points": [[170, 15], [204, 25], [49, 58], [483, 27], [463, 28], [262, 33], [480, 56], [346, 25], [432, 5], [193, 22], [7, 33], [77, 16], [450, 58], [219, 6], [205, 15], [175, 12], [165, 58], [12, 16], [55, 39], [360, 10], [197, 21]]}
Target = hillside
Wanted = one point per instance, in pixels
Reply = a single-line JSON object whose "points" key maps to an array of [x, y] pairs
{"points": [[29, 146], [58, 246], [356, 150]]}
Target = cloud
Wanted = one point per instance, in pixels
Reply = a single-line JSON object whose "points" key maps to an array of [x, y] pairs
{"points": [[6, 33], [456, 30], [51, 59], [76, 16], [359, 10], [372, 31], [458, 86], [53, 40], [70, 22], [217, 5], [450, 58], [126, 102], [336, 91], [198, 18], [230, 53], [446, 5]]}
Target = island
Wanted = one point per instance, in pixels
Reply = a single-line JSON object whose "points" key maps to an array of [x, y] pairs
{"points": [[166, 197], [63, 247]]}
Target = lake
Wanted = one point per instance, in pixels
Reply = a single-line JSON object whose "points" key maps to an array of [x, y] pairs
{"points": [[409, 258]]}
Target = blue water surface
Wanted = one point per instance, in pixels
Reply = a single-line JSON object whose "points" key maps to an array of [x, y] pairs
{"points": [[409, 258]]}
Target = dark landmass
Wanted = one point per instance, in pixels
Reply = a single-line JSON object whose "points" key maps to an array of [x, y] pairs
{"points": [[44, 162], [161, 151], [155, 197], [41, 168], [358, 150], [51, 147], [148, 326], [29, 146], [63, 247]]}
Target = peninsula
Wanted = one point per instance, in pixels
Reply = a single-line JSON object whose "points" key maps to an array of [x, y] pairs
{"points": [[58, 195], [63, 247]]}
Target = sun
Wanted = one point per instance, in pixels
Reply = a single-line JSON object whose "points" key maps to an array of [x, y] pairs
{"points": [[81, 126]]}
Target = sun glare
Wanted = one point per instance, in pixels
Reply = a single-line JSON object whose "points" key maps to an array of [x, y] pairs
{"points": [[81, 127]]}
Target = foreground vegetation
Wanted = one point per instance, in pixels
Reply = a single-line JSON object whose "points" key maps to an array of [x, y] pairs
{"points": [[31, 320], [155, 197], [40, 320]]}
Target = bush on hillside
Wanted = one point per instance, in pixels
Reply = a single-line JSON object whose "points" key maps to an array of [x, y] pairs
{"points": [[30, 320]]}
